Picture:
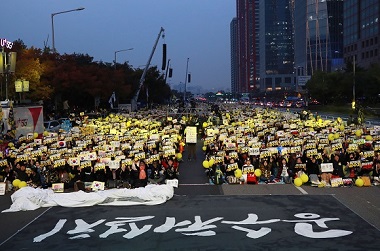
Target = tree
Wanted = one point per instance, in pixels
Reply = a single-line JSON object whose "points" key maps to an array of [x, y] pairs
{"points": [[29, 67]]}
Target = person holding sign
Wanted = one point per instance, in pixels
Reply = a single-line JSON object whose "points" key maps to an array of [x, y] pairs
{"points": [[191, 141], [265, 172], [139, 174]]}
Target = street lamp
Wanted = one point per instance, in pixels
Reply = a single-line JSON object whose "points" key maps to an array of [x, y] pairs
{"points": [[120, 51], [52, 22], [21, 86]]}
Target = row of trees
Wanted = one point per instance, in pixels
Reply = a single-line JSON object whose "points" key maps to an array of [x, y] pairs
{"points": [[338, 87], [55, 78]]}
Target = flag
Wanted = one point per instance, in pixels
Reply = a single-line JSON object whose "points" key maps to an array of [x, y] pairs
{"points": [[112, 100], [61, 144], [74, 161]]}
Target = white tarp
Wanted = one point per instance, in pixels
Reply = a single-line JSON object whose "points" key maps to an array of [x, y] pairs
{"points": [[28, 198]]}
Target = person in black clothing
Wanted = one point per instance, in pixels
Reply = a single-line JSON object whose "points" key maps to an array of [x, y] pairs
{"points": [[155, 173], [123, 175], [87, 174], [100, 175], [7, 174], [34, 178], [312, 166], [21, 172], [337, 165], [171, 171]]}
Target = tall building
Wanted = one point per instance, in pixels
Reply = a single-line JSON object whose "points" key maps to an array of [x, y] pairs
{"points": [[318, 35], [247, 46], [276, 45], [234, 57], [362, 32]]}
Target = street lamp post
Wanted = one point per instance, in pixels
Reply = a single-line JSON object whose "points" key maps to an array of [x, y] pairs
{"points": [[52, 23], [7, 66], [118, 52]]}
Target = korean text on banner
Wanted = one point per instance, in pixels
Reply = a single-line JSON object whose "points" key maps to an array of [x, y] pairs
{"points": [[191, 134]]}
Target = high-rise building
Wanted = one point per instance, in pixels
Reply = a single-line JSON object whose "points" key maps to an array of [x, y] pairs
{"points": [[362, 32], [276, 45], [234, 56], [318, 35], [247, 46]]}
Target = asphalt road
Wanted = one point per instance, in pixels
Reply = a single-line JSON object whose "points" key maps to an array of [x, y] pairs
{"points": [[201, 216]]}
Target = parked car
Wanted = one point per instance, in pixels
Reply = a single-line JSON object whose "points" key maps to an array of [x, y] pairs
{"points": [[52, 125], [61, 120]]}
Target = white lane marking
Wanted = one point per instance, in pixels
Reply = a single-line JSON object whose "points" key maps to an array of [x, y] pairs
{"points": [[301, 190], [25, 226], [204, 184]]}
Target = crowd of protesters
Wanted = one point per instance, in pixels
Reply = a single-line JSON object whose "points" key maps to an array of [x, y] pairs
{"points": [[135, 149], [145, 152], [284, 146]]}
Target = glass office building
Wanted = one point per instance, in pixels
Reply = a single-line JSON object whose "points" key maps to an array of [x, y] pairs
{"points": [[247, 46], [361, 32], [276, 45], [318, 32]]}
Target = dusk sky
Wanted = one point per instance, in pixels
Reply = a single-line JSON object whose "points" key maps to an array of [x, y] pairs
{"points": [[195, 29]]}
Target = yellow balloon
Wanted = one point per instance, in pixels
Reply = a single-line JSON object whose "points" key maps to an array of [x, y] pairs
{"points": [[211, 162], [204, 148], [179, 155], [204, 124], [206, 164], [238, 173], [258, 172], [298, 182], [336, 136], [22, 184], [45, 133], [331, 137], [35, 135], [368, 137], [359, 182], [358, 133], [304, 178], [16, 182]]}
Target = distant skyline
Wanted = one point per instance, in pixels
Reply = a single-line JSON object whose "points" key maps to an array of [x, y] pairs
{"points": [[195, 29]]}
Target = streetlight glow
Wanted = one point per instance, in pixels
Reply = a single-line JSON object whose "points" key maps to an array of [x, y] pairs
{"points": [[52, 23]]}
